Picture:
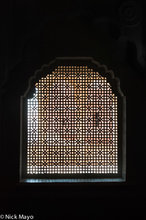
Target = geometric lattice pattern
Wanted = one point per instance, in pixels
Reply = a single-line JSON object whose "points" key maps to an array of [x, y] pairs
{"points": [[72, 124]]}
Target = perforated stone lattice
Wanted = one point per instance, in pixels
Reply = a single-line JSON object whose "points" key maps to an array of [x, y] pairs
{"points": [[72, 124]]}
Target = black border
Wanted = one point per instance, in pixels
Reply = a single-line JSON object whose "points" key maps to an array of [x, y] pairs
{"points": [[115, 83]]}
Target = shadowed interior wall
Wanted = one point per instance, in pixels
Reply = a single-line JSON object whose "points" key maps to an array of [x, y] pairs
{"points": [[34, 33]]}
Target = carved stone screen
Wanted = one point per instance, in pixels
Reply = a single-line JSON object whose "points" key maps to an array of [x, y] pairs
{"points": [[72, 124]]}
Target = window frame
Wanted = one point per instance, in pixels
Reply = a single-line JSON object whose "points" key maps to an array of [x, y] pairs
{"points": [[115, 84]]}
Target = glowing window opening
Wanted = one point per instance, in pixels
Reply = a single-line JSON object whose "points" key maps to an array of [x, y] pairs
{"points": [[72, 127], [103, 157]]}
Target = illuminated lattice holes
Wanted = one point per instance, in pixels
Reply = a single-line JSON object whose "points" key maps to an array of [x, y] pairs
{"points": [[72, 125]]}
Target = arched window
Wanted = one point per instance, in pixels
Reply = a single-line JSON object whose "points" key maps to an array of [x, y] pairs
{"points": [[73, 124]]}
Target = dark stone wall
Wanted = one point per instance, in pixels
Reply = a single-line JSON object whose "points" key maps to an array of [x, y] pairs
{"points": [[32, 34]]}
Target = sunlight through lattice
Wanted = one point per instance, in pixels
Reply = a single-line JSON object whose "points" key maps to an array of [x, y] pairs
{"points": [[72, 124]]}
